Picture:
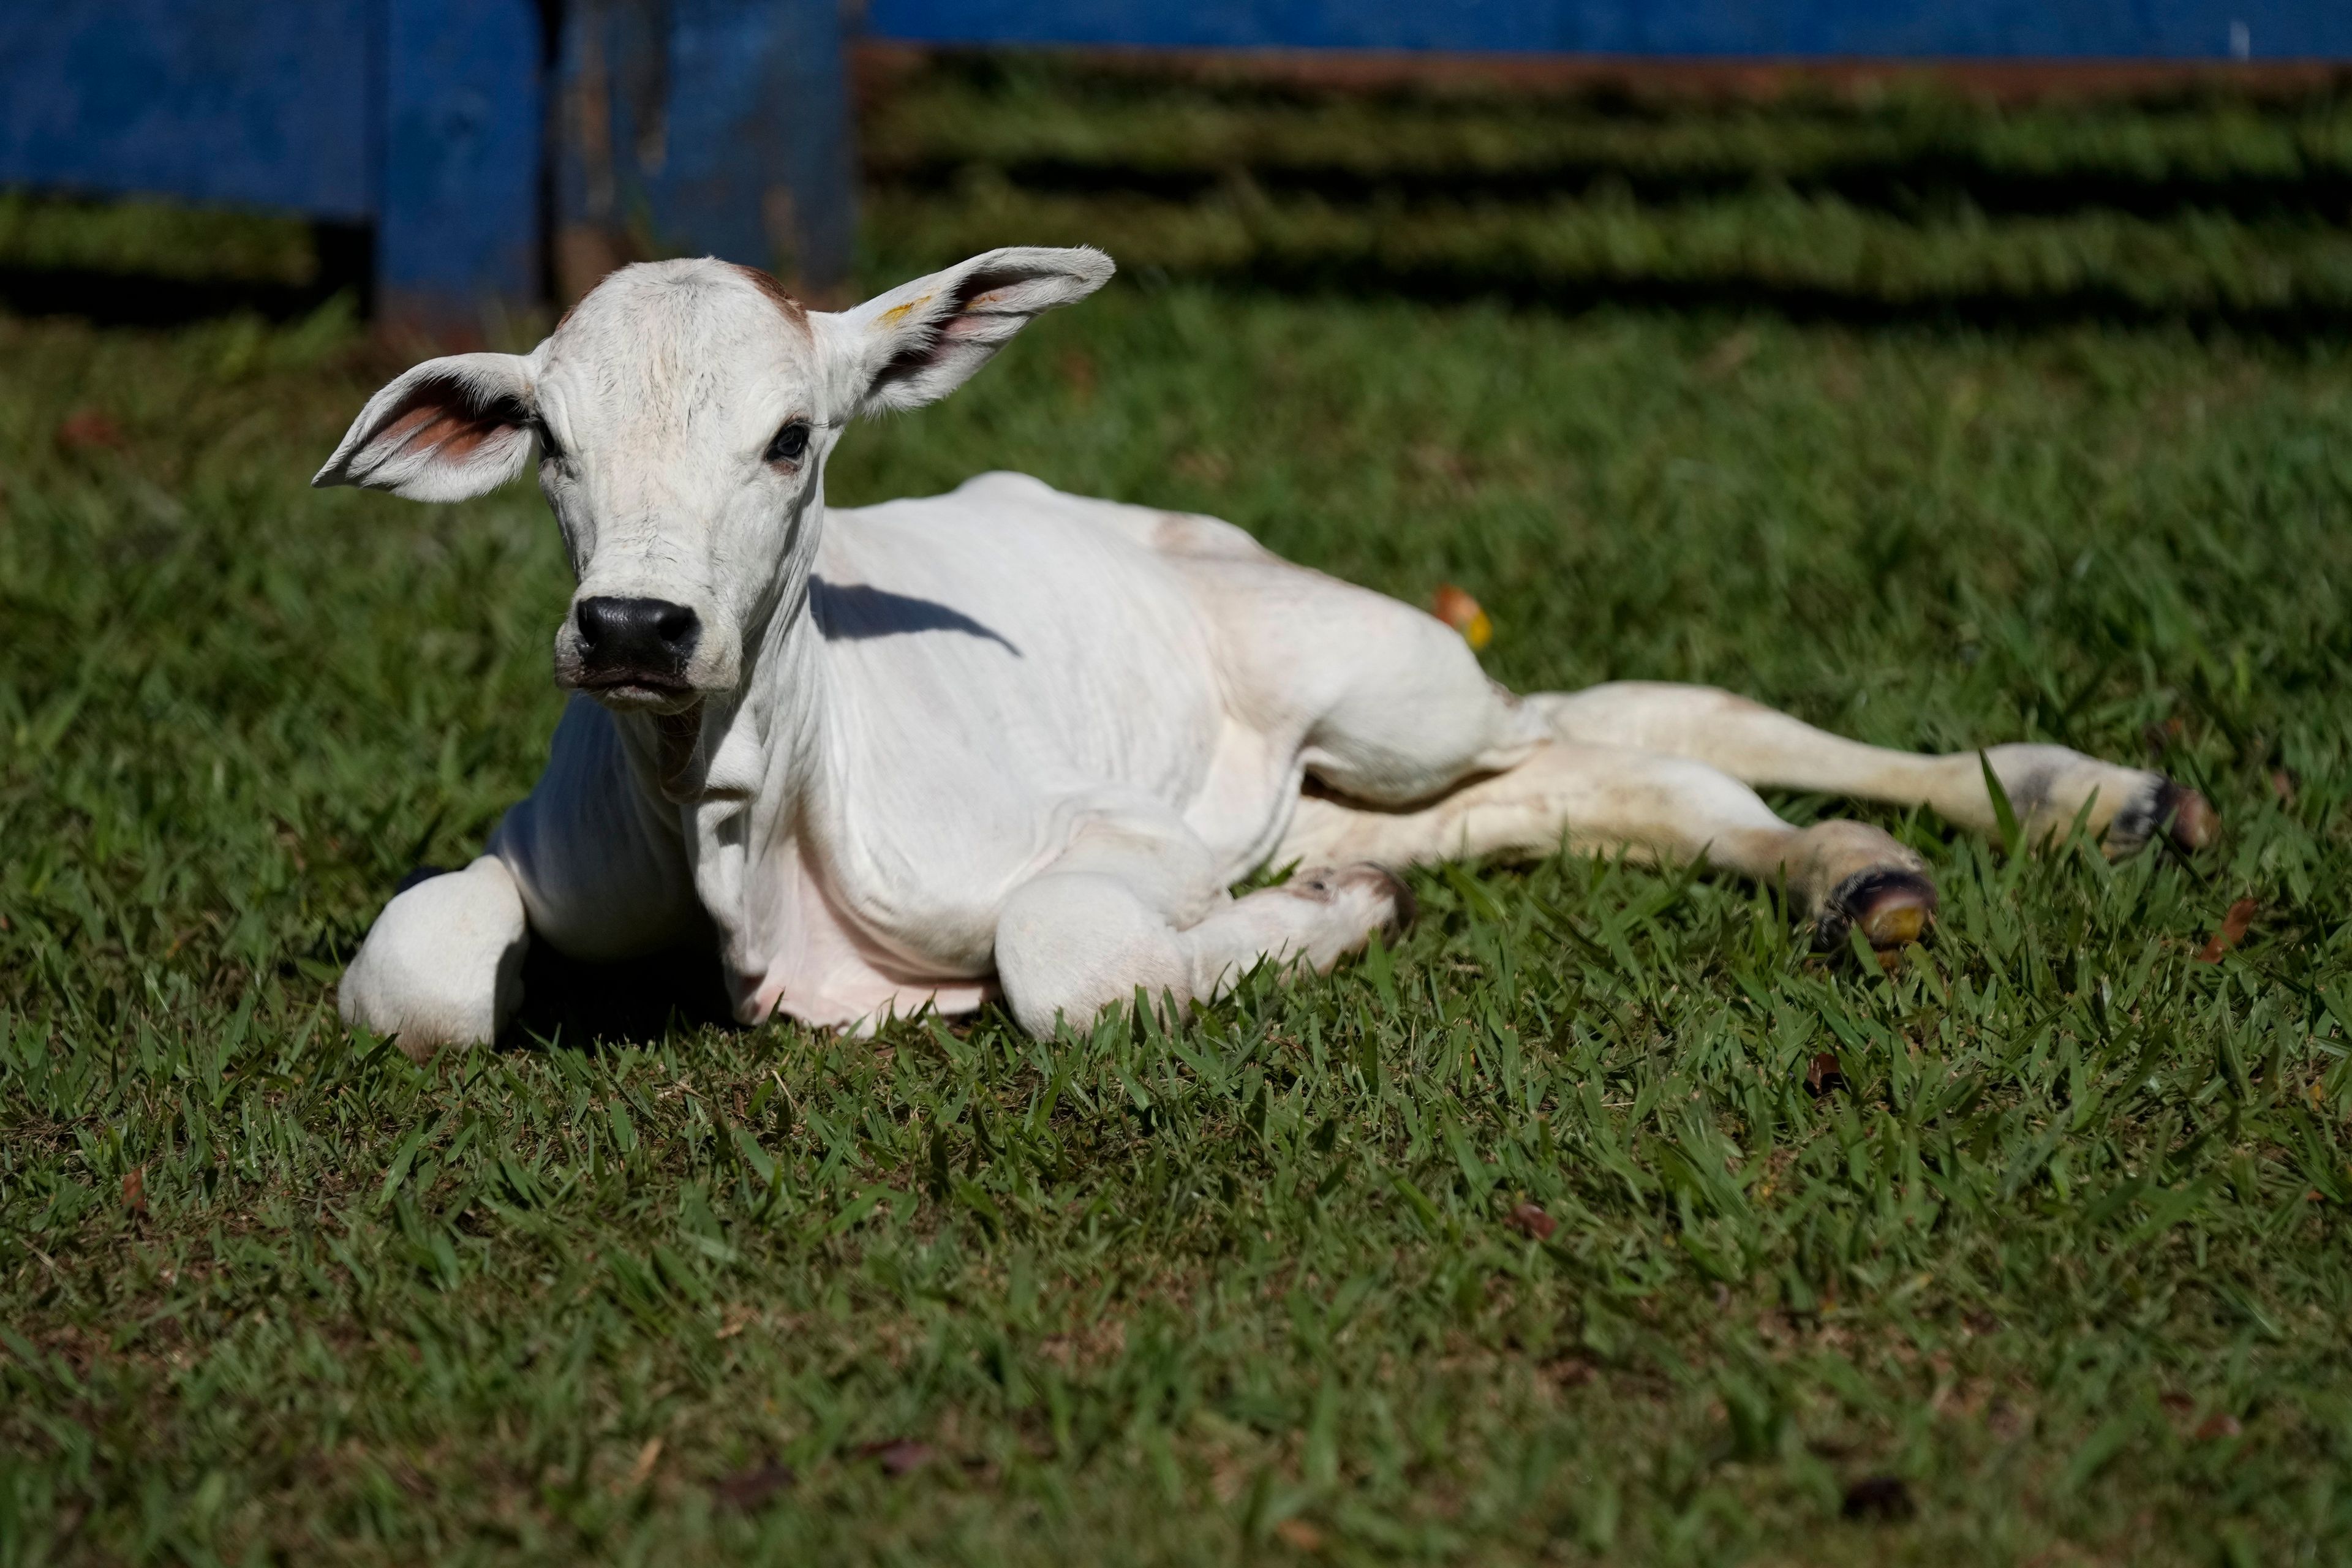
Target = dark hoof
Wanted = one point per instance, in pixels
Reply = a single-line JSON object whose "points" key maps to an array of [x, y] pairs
{"points": [[2187, 818], [1408, 908], [421, 874], [1892, 909]]}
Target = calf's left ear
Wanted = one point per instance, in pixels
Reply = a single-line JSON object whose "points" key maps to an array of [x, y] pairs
{"points": [[448, 430], [922, 340]]}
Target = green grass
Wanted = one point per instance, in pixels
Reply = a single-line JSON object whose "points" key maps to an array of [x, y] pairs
{"points": [[1907, 202], [2065, 1251], [153, 239], [1064, 118]]}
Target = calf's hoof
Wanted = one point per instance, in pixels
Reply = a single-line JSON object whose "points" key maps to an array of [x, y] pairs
{"points": [[2189, 818], [2185, 818], [1382, 888], [1891, 909]]}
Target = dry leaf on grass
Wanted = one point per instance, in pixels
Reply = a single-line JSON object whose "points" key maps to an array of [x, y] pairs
{"points": [[1823, 1074], [642, 1471], [1460, 611], [134, 1189], [1532, 1222], [1299, 1535], [2233, 930], [746, 1491], [898, 1455], [87, 427]]}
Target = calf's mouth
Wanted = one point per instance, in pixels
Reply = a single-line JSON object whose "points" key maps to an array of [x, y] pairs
{"points": [[630, 654], [639, 690]]}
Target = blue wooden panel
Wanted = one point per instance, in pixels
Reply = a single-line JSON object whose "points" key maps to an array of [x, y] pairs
{"points": [[716, 126], [464, 133], [758, 167], [215, 100], [426, 117], [1977, 29]]}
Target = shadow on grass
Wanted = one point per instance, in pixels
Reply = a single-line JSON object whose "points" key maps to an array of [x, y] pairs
{"points": [[141, 299], [1913, 185], [636, 1001], [2295, 322], [113, 298]]}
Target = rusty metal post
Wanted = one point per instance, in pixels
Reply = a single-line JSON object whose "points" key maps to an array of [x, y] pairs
{"points": [[703, 126]]}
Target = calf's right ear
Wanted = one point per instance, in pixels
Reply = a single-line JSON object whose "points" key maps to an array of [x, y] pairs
{"points": [[448, 430]]}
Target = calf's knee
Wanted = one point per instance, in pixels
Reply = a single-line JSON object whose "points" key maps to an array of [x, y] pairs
{"points": [[1069, 946], [443, 963]]}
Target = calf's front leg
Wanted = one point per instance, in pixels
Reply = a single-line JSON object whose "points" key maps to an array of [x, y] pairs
{"points": [[443, 964], [1138, 907]]}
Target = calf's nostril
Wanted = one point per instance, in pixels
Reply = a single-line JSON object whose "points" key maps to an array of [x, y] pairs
{"points": [[636, 634]]}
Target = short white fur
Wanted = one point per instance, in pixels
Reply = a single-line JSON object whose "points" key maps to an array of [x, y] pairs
{"points": [[1011, 743]]}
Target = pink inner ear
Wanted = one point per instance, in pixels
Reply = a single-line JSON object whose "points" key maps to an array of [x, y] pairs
{"points": [[437, 420]]}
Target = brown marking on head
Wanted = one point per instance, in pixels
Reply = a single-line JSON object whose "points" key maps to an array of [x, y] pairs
{"points": [[766, 283]]}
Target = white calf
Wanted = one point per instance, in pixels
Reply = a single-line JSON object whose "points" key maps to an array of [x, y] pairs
{"points": [[1010, 740]]}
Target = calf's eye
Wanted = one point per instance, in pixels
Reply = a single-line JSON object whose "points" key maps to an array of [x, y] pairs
{"points": [[791, 443]]}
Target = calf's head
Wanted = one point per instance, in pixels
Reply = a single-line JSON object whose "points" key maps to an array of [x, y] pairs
{"points": [[682, 415]]}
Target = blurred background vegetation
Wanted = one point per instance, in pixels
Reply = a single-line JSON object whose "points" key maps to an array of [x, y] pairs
{"points": [[1890, 200], [1896, 199]]}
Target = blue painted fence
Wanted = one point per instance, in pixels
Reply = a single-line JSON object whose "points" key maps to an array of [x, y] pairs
{"points": [[421, 116], [703, 126], [456, 127], [484, 152], [2185, 31]]}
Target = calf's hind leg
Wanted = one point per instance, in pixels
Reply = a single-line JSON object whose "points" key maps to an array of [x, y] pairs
{"points": [[443, 964], [2048, 786], [1650, 807], [1423, 758]]}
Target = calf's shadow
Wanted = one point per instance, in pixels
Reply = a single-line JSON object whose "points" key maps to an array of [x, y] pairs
{"points": [[630, 1001], [634, 1001]]}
